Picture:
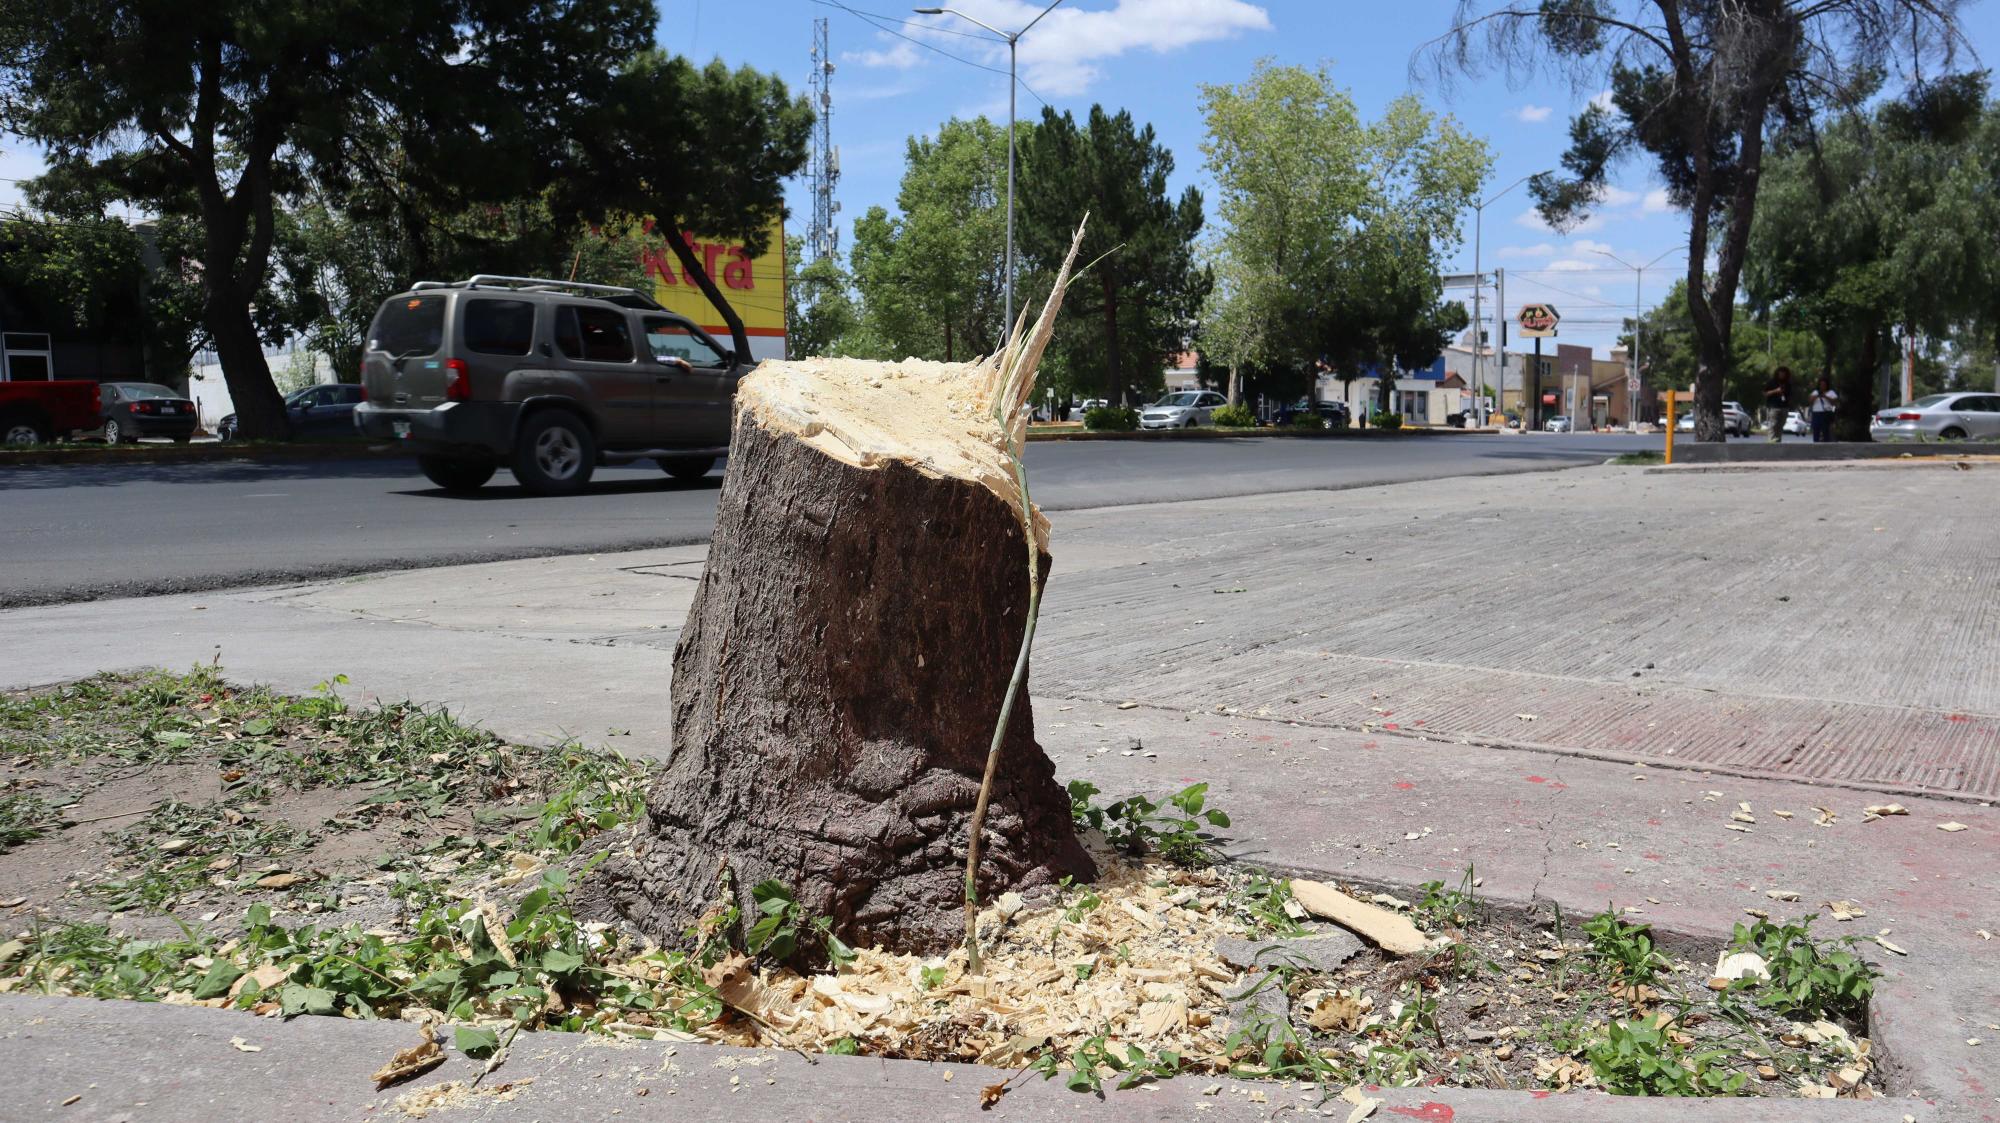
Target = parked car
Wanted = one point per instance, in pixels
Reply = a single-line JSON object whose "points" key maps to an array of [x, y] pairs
{"points": [[326, 410], [549, 378], [1940, 417], [1795, 424], [1335, 415], [39, 412], [1184, 409], [1736, 419], [132, 410], [1735, 422], [1559, 424]]}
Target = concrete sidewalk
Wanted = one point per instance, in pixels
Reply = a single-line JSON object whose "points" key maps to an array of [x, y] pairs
{"points": [[1571, 681]]}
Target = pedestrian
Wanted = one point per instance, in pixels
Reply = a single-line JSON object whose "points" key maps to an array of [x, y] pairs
{"points": [[1778, 402], [1825, 400]]}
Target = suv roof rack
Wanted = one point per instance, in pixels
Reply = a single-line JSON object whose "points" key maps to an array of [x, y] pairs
{"points": [[614, 294]]}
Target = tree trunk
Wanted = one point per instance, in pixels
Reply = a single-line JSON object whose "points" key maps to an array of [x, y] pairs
{"points": [[1235, 383], [1857, 390], [843, 664], [1114, 371], [691, 266], [260, 410]]}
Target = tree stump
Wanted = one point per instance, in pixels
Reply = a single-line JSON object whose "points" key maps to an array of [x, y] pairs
{"points": [[844, 662]]}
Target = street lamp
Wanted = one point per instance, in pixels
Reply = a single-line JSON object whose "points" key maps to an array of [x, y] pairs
{"points": [[1638, 317], [1013, 38], [1478, 290]]}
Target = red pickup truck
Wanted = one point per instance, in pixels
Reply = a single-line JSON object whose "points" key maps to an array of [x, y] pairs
{"points": [[38, 412]]}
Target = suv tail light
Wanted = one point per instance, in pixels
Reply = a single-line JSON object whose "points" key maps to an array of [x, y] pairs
{"points": [[458, 381], [1909, 417]]}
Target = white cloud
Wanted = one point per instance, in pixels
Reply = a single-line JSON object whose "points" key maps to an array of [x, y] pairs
{"points": [[1542, 250], [1585, 245], [1656, 202], [900, 55], [1060, 56], [1616, 196], [1534, 114], [1603, 101]]}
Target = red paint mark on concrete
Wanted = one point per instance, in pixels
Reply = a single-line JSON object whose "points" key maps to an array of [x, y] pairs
{"points": [[1419, 721], [1368, 745], [1390, 726], [1652, 822], [1538, 779], [1651, 857], [1431, 1110], [1404, 785], [1956, 717], [1558, 786], [1541, 1093], [1388, 713], [1266, 737]]}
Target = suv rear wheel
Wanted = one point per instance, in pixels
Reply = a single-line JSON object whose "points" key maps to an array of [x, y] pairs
{"points": [[454, 474], [686, 468], [24, 428], [554, 453]]}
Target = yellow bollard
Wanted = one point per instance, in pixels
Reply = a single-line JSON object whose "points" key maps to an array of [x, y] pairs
{"points": [[1670, 426]]}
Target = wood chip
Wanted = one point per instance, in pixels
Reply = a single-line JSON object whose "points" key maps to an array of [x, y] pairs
{"points": [[416, 1060], [1392, 933], [1889, 947], [1782, 894], [1952, 827]]}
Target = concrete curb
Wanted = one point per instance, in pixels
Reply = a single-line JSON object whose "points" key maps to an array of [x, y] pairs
{"points": [[1693, 452], [1960, 462], [137, 1062], [201, 453], [1215, 434]]}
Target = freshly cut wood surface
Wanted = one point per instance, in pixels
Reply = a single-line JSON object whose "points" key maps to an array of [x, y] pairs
{"points": [[1390, 931]]}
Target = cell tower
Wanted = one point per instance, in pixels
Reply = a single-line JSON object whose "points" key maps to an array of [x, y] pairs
{"points": [[823, 238]]}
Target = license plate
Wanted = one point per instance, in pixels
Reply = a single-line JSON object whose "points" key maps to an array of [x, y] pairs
{"points": [[170, 409], [402, 429]]}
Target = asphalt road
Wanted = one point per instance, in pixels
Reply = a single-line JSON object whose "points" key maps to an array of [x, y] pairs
{"points": [[86, 532]]}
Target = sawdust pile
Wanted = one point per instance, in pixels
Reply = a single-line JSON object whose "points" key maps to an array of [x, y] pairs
{"points": [[1140, 965]]}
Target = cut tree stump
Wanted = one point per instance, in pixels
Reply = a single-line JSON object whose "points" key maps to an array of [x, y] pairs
{"points": [[844, 661]]}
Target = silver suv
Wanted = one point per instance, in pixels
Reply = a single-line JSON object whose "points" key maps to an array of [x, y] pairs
{"points": [[550, 378]]}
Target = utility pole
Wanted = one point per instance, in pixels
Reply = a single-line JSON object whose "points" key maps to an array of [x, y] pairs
{"points": [[1632, 384], [1478, 285]]}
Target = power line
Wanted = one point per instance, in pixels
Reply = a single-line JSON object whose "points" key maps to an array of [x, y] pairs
{"points": [[871, 21], [908, 22]]}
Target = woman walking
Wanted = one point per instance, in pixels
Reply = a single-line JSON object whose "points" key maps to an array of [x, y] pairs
{"points": [[1825, 400]]}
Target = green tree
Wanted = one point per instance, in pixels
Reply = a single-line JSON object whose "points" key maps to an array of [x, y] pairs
{"points": [[930, 276], [820, 316], [1335, 228], [1696, 86], [1137, 304], [1882, 224], [704, 150], [1670, 353], [230, 106]]}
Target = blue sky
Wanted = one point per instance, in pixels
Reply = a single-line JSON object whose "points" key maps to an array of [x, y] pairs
{"points": [[1150, 56]]}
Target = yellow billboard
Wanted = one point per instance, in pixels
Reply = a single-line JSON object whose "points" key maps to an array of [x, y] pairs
{"points": [[754, 287]]}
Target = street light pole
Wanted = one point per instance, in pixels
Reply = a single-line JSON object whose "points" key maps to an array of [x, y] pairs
{"points": [[1013, 39], [1638, 325], [1478, 290]]}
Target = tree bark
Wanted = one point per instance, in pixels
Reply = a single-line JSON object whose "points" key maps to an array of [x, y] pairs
{"points": [[838, 679], [1235, 383]]}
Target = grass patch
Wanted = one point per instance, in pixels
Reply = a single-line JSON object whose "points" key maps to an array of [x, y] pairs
{"points": [[1634, 459]]}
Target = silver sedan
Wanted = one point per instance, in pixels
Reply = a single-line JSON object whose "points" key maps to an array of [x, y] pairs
{"points": [[1940, 417]]}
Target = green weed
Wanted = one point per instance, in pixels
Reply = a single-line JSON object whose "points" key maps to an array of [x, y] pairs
{"points": [[1809, 978]]}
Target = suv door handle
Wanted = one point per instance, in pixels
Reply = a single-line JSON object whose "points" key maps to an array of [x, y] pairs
{"points": [[663, 378]]}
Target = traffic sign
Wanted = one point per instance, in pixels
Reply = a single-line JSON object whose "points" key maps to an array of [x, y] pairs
{"points": [[1538, 319]]}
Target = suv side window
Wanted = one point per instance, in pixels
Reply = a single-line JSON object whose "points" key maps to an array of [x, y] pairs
{"points": [[672, 339], [499, 327], [596, 335]]}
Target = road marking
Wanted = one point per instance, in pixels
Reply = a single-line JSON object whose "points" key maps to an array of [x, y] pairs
{"points": [[268, 495]]}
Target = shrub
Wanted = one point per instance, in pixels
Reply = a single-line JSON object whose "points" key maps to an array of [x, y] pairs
{"points": [[1308, 420], [1382, 419], [1111, 419], [1234, 417], [1809, 978]]}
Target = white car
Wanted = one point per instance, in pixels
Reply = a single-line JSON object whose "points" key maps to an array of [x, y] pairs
{"points": [[1795, 424], [1559, 425], [1735, 422], [1182, 410], [1940, 417]]}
